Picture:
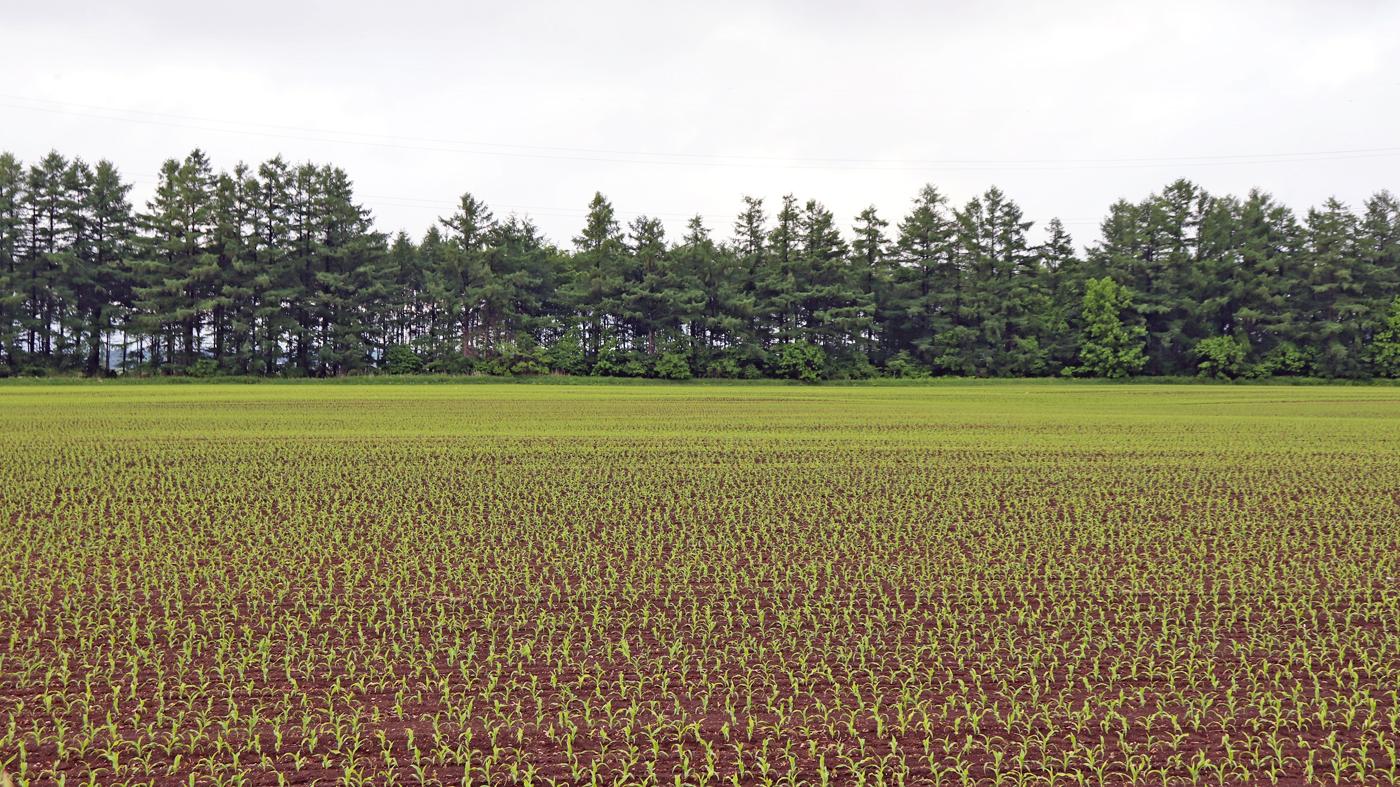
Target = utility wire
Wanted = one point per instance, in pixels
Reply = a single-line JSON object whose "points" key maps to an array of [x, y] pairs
{"points": [[684, 159]]}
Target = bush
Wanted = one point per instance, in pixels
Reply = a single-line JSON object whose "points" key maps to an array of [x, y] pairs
{"points": [[611, 362], [451, 363], [903, 366], [401, 359], [954, 350], [529, 366], [1220, 356], [204, 367], [528, 359], [723, 368], [566, 354], [673, 366], [852, 366], [1284, 360], [1027, 358], [801, 361], [1384, 351]]}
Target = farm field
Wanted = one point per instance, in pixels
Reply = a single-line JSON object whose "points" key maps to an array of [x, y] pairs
{"points": [[978, 583]]}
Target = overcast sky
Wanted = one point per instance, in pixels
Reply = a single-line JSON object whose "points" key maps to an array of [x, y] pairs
{"points": [[672, 109]]}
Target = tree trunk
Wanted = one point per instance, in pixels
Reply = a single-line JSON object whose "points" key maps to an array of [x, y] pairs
{"points": [[94, 342], [468, 351]]}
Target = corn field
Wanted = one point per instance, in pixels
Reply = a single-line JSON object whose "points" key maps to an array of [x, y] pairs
{"points": [[963, 584]]}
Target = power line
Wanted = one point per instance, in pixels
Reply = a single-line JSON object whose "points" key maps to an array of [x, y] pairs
{"points": [[557, 153]]}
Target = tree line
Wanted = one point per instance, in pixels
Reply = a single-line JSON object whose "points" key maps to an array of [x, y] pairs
{"points": [[277, 270]]}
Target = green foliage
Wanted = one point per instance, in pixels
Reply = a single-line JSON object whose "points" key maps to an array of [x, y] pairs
{"points": [[401, 359], [801, 361], [1284, 360], [1385, 347], [276, 270], [955, 351], [1026, 357], [615, 361], [204, 367], [850, 366], [673, 366], [725, 368], [566, 354], [1112, 346], [902, 365], [450, 362], [1220, 356], [527, 357]]}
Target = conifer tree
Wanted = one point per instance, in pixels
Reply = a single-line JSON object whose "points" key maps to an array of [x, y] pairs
{"points": [[873, 273], [596, 277], [1335, 295], [178, 268], [11, 273], [926, 292]]}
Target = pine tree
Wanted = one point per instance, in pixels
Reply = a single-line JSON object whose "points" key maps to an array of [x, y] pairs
{"points": [[459, 280], [1004, 293], [926, 293], [1169, 296], [404, 324], [1378, 261], [596, 278], [1336, 297], [874, 270], [179, 267], [1384, 349], [45, 199], [750, 250], [302, 261], [1064, 276], [352, 284], [833, 311], [234, 306], [268, 267], [713, 292], [649, 303], [109, 230], [776, 281], [520, 300], [12, 291], [1254, 287]]}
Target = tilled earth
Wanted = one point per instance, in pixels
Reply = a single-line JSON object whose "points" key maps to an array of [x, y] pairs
{"points": [[490, 584]]}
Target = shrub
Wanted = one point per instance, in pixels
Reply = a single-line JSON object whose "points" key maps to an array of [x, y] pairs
{"points": [[1284, 360], [451, 363], [801, 361], [723, 368], [566, 354], [204, 367], [903, 366], [611, 362], [401, 359], [1220, 356], [851, 366], [673, 366], [1384, 351]]}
